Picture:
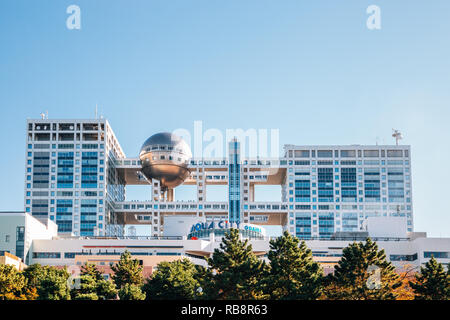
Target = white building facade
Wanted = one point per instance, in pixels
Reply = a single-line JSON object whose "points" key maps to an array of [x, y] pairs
{"points": [[19, 229], [410, 253], [76, 175], [36, 242], [69, 174]]}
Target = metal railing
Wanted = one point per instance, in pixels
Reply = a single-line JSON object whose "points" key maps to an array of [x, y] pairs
{"points": [[123, 238]]}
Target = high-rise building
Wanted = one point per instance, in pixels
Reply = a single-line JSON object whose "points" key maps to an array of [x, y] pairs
{"points": [[77, 173], [70, 176], [336, 188]]}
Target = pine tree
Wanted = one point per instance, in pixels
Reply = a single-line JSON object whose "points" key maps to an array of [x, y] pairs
{"points": [[34, 273], [131, 292], [106, 290], [87, 289], [432, 283], [91, 270], [238, 272], [205, 278], [127, 271], [174, 280], [49, 282], [363, 273], [93, 286], [54, 285], [293, 273]]}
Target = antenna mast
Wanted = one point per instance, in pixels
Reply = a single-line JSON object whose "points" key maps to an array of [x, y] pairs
{"points": [[397, 135]]}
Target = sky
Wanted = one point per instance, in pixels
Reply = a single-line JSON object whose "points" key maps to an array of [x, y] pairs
{"points": [[311, 69]]}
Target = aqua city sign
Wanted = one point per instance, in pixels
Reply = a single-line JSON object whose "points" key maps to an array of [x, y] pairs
{"points": [[223, 225]]}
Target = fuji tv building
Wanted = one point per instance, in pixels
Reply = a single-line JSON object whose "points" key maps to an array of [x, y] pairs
{"points": [[76, 175]]}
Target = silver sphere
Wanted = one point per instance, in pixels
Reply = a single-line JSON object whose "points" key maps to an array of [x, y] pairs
{"points": [[165, 157]]}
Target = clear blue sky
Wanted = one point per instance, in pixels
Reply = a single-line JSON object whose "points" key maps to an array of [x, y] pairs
{"points": [[310, 68]]}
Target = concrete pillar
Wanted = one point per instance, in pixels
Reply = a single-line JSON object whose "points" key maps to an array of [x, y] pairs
{"points": [[170, 194], [251, 191]]}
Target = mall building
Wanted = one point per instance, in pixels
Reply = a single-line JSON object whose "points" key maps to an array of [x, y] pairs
{"points": [[39, 242]]}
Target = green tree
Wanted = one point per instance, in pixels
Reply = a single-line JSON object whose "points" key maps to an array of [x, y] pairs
{"points": [[237, 271], [87, 289], [34, 274], [127, 271], [92, 286], [91, 270], [205, 277], [50, 282], [432, 283], [12, 283], [131, 292], [173, 281], [54, 285], [106, 290], [293, 273], [363, 273]]}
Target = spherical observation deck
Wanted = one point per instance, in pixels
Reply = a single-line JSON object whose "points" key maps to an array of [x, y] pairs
{"points": [[165, 157]]}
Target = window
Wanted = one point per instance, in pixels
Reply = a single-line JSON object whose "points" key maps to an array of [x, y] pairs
{"points": [[436, 254], [70, 255], [301, 153], [394, 153], [371, 153], [403, 257], [7, 238], [324, 153], [348, 153], [46, 255]]}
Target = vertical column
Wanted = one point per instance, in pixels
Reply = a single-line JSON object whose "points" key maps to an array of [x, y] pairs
{"points": [[234, 189], [156, 190], [170, 194], [201, 184], [251, 192]]}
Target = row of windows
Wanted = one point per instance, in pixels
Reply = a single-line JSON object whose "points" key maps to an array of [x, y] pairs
{"points": [[87, 155], [348, 153], [403, 257], [303, 231], [327, 197], [89, 126], [437, 254]]}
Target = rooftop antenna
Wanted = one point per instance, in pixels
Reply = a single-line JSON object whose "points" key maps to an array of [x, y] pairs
{"points": [[42, 115], [46, 114], [397, 135], [376, 140], [96, 111]]}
